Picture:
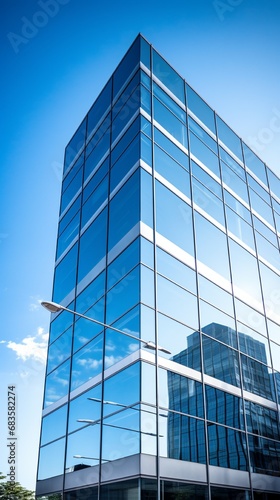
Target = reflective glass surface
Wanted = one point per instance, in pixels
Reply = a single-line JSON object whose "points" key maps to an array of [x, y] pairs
{"points": [[65, 275], [168, 76], [220, 361], [87, 362], [51, 459], [54, 425], [227, 447], [199, 107], [92, 245], [57, 384], [224, 408]]}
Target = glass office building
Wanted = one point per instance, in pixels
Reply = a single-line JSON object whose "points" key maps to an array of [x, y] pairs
{"points": [[169, 233]]}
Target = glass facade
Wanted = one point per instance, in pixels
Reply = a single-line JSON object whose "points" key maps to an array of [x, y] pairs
{"points": [[168, 233]]}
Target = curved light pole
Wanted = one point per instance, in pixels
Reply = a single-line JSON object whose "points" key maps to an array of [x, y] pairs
{"points": [[53, 307]]}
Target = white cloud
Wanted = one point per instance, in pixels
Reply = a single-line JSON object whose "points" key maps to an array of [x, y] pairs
{"points": [[35, 304], [34, 348]]}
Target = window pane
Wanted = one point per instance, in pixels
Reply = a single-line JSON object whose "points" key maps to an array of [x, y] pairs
{"points": [[93, 245], [83, 448], [169, 121], [172, 171], [169, 103], [94, 291], [200, 109], [86, 330], [234, 182], [227, 448], [208, 201], [217, 324], [202, 135], [163, 71], [54, 425], [171, 148], [224, 408], [240, 228], [123, 296], [180, 393], [174, 218], [126, 66], [59, 350], [57, 384], [215, 295], [229, 138], [175, 270], [124, 210], [86, 406], [261, 420], [257, 378], [99, 107], [220, 361], [51, 460], [204, 154], [254, 164], [87, 362], [176, 302], [68, 235], [95, 201], [215, 253], [74, 146], [65, 275]]}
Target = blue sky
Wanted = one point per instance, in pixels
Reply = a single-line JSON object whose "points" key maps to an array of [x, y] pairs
{"points": [[57, 55]]}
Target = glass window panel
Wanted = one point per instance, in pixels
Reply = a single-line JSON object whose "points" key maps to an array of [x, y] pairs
{"points": [[220, 361], [83, 448], [75, 144], [146, 149], [176, 302], [183, 438], [65, 275], [254, 164], [259, 189], [125, 95], [257, 378], [175, 270], [234, 182], [169, 121], [123, 263], [73, 172], [147, 287], [224, 408], [240, 228], [122, 389], [204, 154], [71, 190], [59, 350], [268, 251], [261, 207], [119, 345], [270, 286], [145, 55], [121, 434], [126, 66], [126, 113], [120, 490], [274, 331], [57, 384], [274, 182], [182, 490], [51, 460], [214, 254], [203, 136], [146, 198], [101, 148], [215, 295], [94, 291], [99, 107], [183, 342], [275, 353], [148, 387], [208, 201], [232, 163], [69, 215], [250, 317], [200, 109], [146, 100], [126, 139], [227, 448], [147, 253], [245, 274], [229, 138], [68, 235], [253, 344], [265, 456], [169, 103], [261, 420], [87, 406], [172, 171], [265, 231], [180, 393], [92, 245], [95, 180], [54, 425], [276, 205], [61, 323], [86, 330], [125, 162], [87, 362], [206, 179], [235, 205], [95, 201], [174, 218], [124, 210], [123, 296], [168, 76], [230, 493], [217, 324], [171, 148]]}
